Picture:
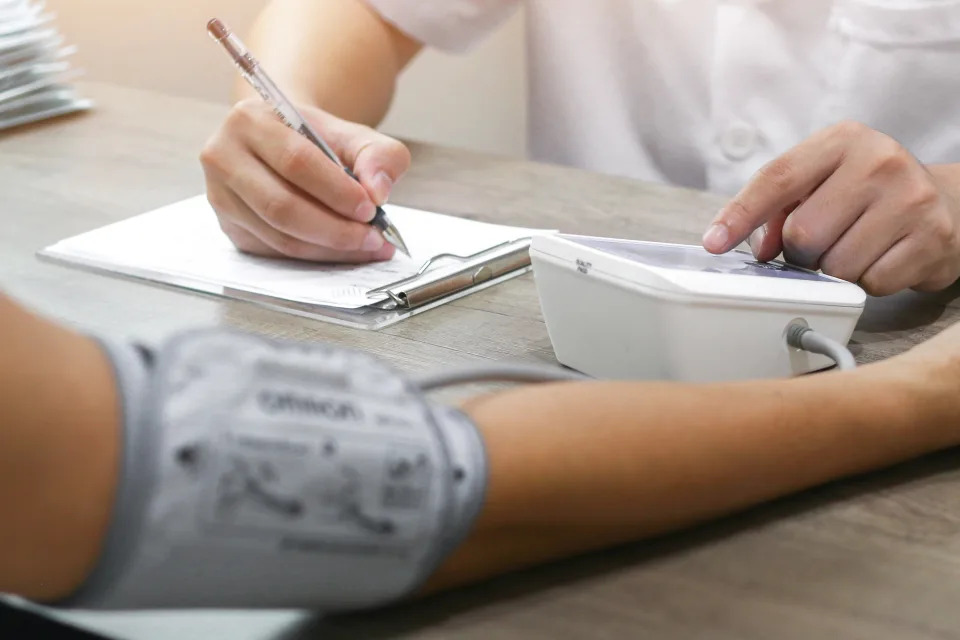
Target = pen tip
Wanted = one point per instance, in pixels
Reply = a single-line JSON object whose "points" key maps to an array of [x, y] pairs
{"points": [[393, 237], [389, 231]]}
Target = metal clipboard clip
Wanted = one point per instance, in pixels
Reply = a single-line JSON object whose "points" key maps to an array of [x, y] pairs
{"points": [[427, 285]]}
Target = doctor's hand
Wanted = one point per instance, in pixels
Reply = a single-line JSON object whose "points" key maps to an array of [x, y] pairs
{"points": [[276, 194], [853, 203]]}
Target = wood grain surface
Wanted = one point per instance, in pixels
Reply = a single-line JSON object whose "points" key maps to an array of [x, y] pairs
{"points": [[872, 557]]}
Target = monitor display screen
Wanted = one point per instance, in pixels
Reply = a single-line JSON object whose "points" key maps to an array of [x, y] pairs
{"points": [[696, 259]]}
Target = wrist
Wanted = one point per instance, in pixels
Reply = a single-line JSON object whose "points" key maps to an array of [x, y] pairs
{"points": [[921, 393], [947, 178]]}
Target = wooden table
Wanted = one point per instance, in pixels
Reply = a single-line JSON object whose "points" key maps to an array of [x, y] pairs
{"points": [[873, 557]]}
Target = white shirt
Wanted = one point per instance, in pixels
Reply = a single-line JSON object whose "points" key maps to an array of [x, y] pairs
{"points": [[701, 93]]}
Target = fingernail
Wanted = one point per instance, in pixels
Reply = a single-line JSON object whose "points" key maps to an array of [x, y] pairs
{"points": [[373, 241], [386, 252], [756, 239], [382, 184], [716, 237], [366, 210]]}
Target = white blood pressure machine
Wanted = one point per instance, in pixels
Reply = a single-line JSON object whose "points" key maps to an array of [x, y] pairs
{"points": [[626, 309]]}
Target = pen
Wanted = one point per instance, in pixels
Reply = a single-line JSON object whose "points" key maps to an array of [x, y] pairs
{"points": [[258, 79]]}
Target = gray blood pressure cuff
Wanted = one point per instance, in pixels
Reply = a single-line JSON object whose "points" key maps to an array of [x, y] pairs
{"points": [[257, 473]]}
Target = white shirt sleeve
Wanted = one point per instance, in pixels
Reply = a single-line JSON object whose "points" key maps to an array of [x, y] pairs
{"points": [[449, 25]]}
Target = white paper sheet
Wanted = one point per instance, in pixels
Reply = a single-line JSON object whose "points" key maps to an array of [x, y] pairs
{"points": [[184, 241]]}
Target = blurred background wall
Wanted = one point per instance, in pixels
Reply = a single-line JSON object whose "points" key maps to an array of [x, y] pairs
{"points": [[474, 101]]}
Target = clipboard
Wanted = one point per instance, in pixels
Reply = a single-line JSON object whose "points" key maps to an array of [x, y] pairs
{"points": [[441, 279]]}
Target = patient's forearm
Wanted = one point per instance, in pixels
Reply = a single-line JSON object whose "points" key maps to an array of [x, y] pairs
{"points": [[338, 55], [575, 467]]}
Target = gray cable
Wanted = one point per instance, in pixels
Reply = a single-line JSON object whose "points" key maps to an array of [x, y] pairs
{"points": [[807, 339], [497, 373]]}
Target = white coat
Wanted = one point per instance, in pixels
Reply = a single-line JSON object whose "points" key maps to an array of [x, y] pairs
{"points": [[701, 93]]}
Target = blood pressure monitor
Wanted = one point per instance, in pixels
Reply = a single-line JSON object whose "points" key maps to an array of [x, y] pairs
{"points": [[627, 309]]}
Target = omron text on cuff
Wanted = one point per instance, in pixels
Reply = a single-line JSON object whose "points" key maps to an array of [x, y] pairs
{"points": [[259, 473]]}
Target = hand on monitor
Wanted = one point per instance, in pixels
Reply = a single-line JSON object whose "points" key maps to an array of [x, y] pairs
{"points": [[854, 203]]}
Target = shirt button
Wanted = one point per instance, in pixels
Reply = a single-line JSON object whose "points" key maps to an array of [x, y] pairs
{"points": [[739, 141]]}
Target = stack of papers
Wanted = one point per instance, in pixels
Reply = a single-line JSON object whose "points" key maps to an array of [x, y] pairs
{"points": [[35, 70]]}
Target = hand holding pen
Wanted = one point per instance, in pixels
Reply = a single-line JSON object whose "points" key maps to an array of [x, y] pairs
{"points": [[299, 183]]}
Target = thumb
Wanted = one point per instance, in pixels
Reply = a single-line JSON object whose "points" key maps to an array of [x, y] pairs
{"points": [[379, 161]]}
